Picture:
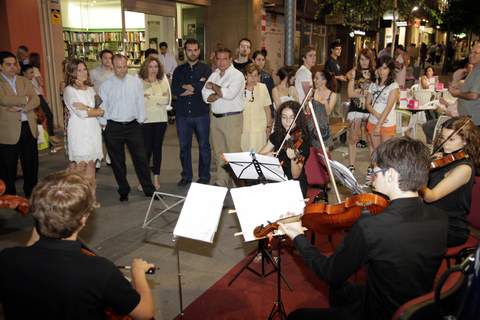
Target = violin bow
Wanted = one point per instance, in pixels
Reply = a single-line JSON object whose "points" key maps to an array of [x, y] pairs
{"points": [[435, 150], [302, 106], [327, 160]]}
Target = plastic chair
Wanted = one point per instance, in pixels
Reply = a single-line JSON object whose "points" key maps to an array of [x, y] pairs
{"points": [[437, 303]]}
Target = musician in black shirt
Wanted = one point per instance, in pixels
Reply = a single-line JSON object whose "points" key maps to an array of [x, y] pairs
{"points": [[450, 186], [53, 279], [402, 247]]}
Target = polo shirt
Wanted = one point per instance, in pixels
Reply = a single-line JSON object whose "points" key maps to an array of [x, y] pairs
{"points": [[52, 279]]}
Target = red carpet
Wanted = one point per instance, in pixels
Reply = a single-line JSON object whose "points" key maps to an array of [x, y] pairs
{"points": [[252, 297]]}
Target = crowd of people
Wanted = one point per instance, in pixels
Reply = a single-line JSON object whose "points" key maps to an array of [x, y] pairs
{"points": [[236, 106]]}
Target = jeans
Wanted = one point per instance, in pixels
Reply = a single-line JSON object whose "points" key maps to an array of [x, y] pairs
{"points": [[186, 126]]}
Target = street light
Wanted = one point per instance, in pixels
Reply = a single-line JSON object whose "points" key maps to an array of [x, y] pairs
{"points": [[414, 8]]}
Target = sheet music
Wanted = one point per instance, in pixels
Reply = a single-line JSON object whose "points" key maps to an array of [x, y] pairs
{"points": [[201, 212], [241, 164], [261, 203], [344, 176]]}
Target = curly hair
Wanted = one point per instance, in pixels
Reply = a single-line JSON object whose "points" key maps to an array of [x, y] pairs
{"points": [[143, 72], [59, 202], [470, 134], [301, 122], [389, 62], [70, 76]]}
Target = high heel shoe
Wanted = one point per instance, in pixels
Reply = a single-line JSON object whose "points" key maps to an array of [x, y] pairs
{"points": [[156, 181]]}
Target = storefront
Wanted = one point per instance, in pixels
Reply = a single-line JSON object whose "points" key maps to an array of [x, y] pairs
{"points": [[129, 27]]}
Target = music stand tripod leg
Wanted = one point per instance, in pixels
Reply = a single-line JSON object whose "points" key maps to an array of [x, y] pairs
{"points": [[278, 304]]}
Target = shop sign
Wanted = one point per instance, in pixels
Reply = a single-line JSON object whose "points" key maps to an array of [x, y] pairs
{"points": [[56, 17]]}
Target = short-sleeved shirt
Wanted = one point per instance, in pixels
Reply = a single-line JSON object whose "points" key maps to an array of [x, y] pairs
{"points": [[303, 74], [53, 280], [379, 100], [471, 107], [333, 66]]}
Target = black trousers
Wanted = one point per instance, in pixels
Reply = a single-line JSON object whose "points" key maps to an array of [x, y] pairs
{"points": [[346, 304], [25, 150], [153, 134], [117, 135]]}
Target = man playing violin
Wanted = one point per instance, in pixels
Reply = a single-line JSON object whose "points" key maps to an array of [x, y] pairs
{"points": [[402, 247], [450, 186], [53, 279]]}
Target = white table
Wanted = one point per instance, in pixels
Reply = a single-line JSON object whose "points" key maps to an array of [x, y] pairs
{"points": [[412, 124]]}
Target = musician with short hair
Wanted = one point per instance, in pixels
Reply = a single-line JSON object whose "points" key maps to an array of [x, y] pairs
{"points": [[53, 279], [450, 185], [402, 247]]}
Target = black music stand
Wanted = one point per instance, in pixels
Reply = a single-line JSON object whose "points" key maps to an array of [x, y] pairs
{"points": [[246, 166], [278, 307]]}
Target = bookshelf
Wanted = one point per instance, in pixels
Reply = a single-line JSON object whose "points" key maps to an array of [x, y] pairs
{"points": [[87, 45]]}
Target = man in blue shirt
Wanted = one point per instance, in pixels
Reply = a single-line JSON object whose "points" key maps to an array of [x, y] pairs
{"points": [[192, 113], [123, 103]]}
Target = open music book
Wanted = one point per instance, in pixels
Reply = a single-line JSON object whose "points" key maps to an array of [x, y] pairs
{"points": [[259, 204], [242, 165], [344, 176], [201, 212]]}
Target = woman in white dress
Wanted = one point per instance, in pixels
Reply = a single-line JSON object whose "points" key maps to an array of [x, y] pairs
{"points": [[84, 132]]}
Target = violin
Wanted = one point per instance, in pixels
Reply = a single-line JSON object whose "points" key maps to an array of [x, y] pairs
{"points": [[321, 216], [295, 142], [447, 159], [13, 202]]}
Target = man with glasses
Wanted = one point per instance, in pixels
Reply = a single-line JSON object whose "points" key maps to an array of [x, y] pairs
{"points": [[468, 94], [402, 247]]}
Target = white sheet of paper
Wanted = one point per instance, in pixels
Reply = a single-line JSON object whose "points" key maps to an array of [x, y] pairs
{"points": [[201, 212], [241, 163], [256, 205]]}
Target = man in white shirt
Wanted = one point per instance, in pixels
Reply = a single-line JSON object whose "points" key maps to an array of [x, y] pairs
{"points": [[303, 77], [224, 90], [123, 103], [167, 59], [103, 71]]}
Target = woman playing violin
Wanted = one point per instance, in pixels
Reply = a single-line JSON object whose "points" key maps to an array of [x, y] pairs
{"points": [[450, 186], [294, 153]]}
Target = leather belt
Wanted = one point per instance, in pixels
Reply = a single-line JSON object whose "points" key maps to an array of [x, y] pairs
{"points": [[221, 115], [123, 122]]}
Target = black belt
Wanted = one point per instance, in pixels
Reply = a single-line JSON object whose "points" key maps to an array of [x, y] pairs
{"points": [[221, 115], [123, 122]]}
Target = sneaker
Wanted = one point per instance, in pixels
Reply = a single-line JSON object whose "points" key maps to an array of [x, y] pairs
{"points": [[351, 168], [368, 179], [183, 182]]}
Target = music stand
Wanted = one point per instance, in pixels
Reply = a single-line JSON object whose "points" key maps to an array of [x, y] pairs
{"points": [[248, 165]]}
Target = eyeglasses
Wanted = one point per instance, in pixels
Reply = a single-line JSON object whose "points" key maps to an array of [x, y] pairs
{"points": [[373, 173]]}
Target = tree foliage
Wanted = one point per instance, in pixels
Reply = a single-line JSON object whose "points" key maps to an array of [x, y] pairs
{"points": [[461, 16], [365, 13]]}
